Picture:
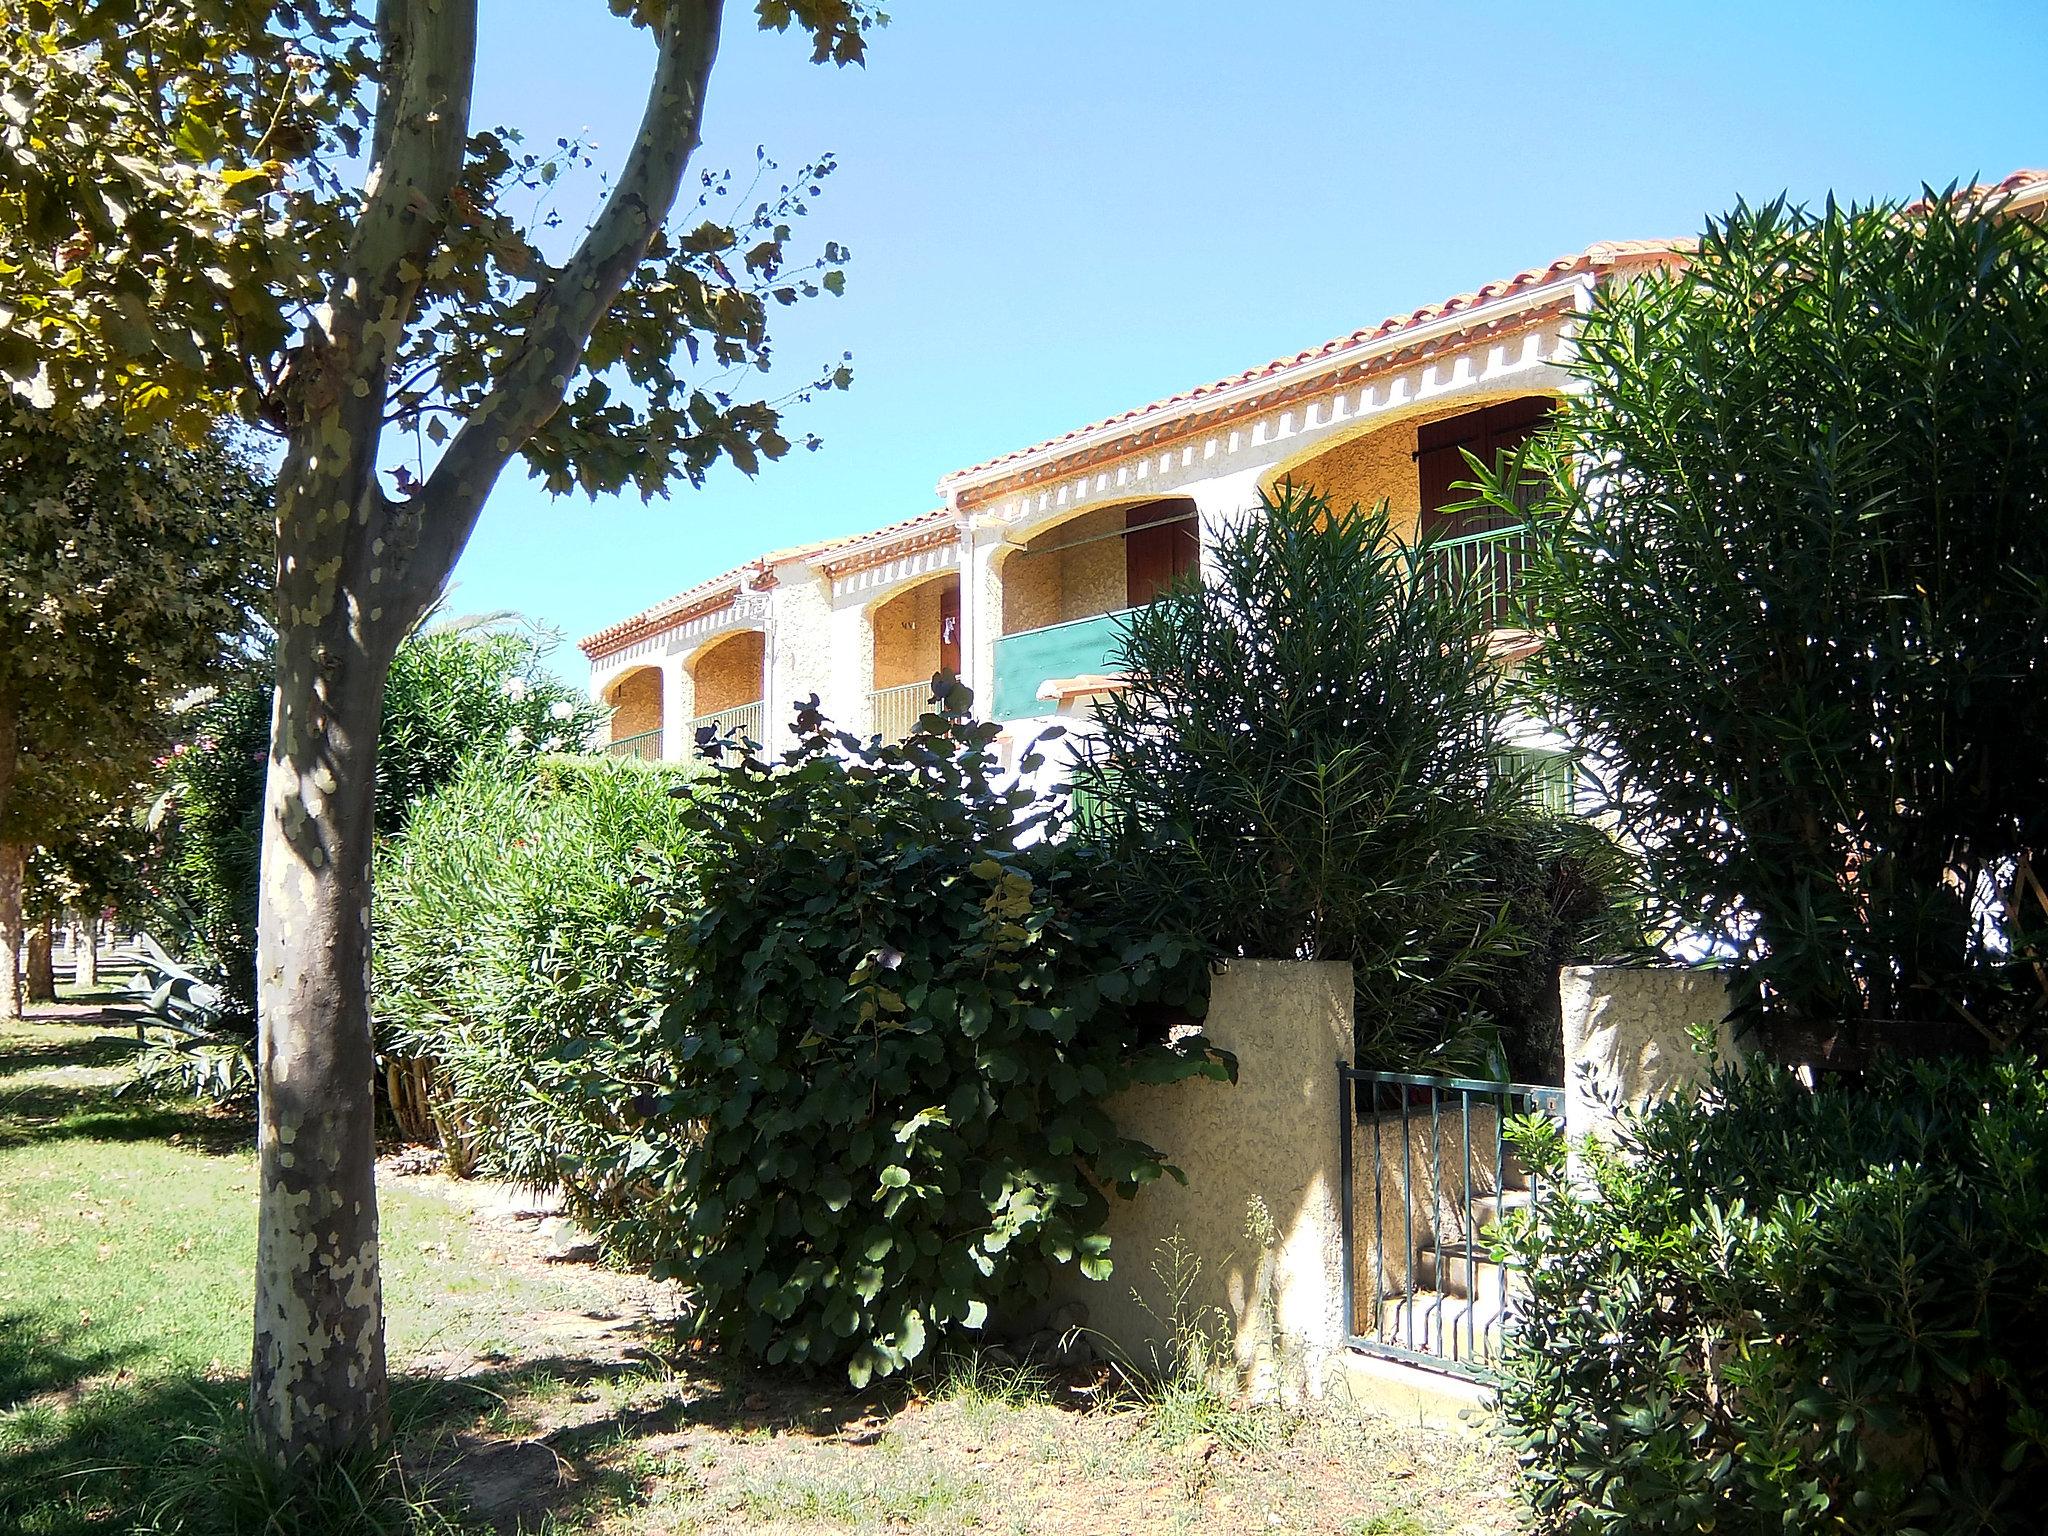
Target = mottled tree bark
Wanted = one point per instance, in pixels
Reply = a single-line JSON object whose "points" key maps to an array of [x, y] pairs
{"points": [[12, 860], [86, 962], [317, 1374], [39, 967], [356, 570]]}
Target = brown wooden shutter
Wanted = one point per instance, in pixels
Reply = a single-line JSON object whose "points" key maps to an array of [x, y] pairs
{"points": [[1440, 449], [1159, 552]]}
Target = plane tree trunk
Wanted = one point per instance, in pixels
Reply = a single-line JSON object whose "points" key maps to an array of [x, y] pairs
{"points": [[86, 962], [357, 569], [39, 966], [13, 860]]}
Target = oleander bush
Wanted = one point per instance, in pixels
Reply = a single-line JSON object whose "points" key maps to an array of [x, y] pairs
{"points": [[1311, 759], [894, 1009], [456, 691], [512, 918], [1794, 579], [1793, 1311]]}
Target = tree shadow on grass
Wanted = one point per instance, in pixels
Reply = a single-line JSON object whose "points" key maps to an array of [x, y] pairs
{"points": [[59, 1109], [34, 1364], [84, 1451]]}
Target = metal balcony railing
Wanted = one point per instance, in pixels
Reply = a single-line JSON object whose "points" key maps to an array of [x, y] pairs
{"points": [[1488, 564], [893, 712], [747, 720], [642, 744]]}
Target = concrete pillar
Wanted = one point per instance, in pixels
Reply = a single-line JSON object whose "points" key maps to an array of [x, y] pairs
{"points": [[974, 620], [1221, 505], [851, 647], [676, 702], [1260, 1213], [1628, 1037], [981, 607]]}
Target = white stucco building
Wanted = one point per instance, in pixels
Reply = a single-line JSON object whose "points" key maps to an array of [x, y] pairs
{"points": [[1015, 579]]}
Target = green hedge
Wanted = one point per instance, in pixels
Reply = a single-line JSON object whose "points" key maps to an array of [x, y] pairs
{"points": [[893, 1017], [455, 693], [1790, 1311], [512, 918]]}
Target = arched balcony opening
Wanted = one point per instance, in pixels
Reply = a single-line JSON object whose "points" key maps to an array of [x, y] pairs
{"points": [[916, 634], [729, 683], [635, 700], [1064, 588], [1415, 465]]}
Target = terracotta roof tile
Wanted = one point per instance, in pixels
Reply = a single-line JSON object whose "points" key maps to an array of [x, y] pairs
{"points": [[652, 620], [1595, 258]]}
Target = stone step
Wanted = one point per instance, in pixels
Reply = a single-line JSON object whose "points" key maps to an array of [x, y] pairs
{"points": [[1487, 1209], [1463, 1270], [1446, 1326]]}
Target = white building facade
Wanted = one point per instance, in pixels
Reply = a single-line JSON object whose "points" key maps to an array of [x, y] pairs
{"points": [[1015, 581]]}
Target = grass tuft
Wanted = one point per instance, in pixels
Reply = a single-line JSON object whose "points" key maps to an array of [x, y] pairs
{"points": [[214, 1482]]}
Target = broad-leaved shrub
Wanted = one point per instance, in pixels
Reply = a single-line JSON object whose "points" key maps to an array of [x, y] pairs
{"points": [[1791, 1311], [894, 1016]]}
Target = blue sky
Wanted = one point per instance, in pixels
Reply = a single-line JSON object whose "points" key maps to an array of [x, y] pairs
{"points": [[1059, 209]]}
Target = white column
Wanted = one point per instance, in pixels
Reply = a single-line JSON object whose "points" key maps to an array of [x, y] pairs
{"points": [[972, 620], [1220, 505], [981, 608], [676, 697], [775, 688]]}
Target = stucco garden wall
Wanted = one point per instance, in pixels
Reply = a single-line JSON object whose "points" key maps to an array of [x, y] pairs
{"points": [[1628, 1037], [1272, 1138]]}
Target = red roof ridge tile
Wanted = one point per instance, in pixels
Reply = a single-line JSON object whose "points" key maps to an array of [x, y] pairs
{"points": [[651, 620], [1601, 254]]}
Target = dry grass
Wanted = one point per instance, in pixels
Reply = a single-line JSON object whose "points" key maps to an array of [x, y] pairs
{"points": [[539, 1397]]}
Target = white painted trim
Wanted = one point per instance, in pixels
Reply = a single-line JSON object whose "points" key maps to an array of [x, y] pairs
{"points": [[1580, 287]]}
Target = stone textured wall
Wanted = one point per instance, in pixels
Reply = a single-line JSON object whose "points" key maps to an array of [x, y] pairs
{"points": [[1627, 1037], [906, 629], [801, 661], [1367, 469], [1270, 1137], [1045, 583], [1092, 576], [729, 674], [636, 700]]}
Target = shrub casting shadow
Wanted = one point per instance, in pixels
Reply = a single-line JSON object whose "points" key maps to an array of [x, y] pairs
{"points": [[92, 1452]]}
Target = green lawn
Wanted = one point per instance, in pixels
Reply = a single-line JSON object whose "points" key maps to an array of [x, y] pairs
{"points": [[126, 1234]]}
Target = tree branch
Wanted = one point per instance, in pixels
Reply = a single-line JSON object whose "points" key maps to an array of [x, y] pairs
{"points": [[531, 386], [341, 376]]}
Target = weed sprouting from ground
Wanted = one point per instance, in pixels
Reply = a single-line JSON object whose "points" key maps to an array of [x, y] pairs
{"points": [[981, 1380], [1190, 1389]]}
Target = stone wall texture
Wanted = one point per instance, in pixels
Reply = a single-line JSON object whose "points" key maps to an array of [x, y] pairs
{"points": [[1378, 466], [906, 631], [729, 674], [1272, 1137], [1628, 1040], [636, 702]]}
